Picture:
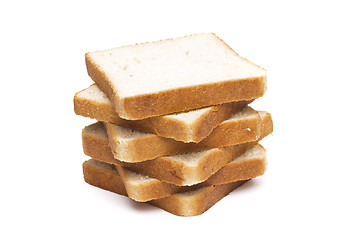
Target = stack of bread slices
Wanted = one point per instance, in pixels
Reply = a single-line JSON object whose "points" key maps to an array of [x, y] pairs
{"points": [[174, 128]]}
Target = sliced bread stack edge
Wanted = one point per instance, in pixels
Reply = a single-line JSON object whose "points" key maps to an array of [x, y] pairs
{"points": [[174, 128]]}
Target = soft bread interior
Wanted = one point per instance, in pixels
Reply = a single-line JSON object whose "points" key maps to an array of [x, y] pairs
{"points": [[171, 64]]}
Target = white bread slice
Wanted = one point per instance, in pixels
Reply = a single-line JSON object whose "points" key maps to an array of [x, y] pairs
{"points": [[174, 75], [191, 126], [196, 202], [130, 145], [184, 169], [143, 188], [189, 203]]}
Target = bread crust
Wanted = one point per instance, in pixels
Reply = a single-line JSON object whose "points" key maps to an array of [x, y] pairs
{"points": [[103, 177], [97, 147], [190, 204], [162, 126], [164, 168], [183, 99], [174, 172], [209, 121], [155, 189], [179, 99], [202, 201], [151, 146], [187, 184]]}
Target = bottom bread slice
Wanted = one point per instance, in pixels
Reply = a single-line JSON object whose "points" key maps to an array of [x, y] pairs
{"points": [[143, 188], [190, 203]]}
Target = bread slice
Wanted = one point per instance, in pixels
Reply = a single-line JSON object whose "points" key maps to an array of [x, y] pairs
{"points": [[174, 75], [103, 175], [195, 202], [191, 126], [189, 203], [130, 145], [143, 188], [182, 169]]}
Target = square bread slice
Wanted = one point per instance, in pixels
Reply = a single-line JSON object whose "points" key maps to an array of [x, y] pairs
{"points": [[130, 145], [182, 169], [174, 75], [190, 126], [143, 188], [189, 203]]}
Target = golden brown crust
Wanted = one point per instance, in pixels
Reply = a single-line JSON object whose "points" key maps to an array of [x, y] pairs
{"points": [[162, 125], [219, 113], [99, 111], [167, 170], [98, 148], [238, 171], [162, 168], [99, 77], [228, 133], [149, 105], [103, 178], [176, 100], [232, 133], [148, 190], [198, 204], [267, 124], [231, 172], [177, 204]]}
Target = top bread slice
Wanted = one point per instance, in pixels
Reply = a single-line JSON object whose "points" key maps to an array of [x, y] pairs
{"points": [[190, 126], [174, 75]]}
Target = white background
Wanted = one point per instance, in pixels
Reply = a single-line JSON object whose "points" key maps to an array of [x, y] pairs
{"points": [[311, 51]]}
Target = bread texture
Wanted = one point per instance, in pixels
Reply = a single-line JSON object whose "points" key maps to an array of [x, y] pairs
{"points": [[174, 75], [182, 169], [103, 175], [190, 126], [195, 202], [129, 145], [189, 203], [143, 188]]}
